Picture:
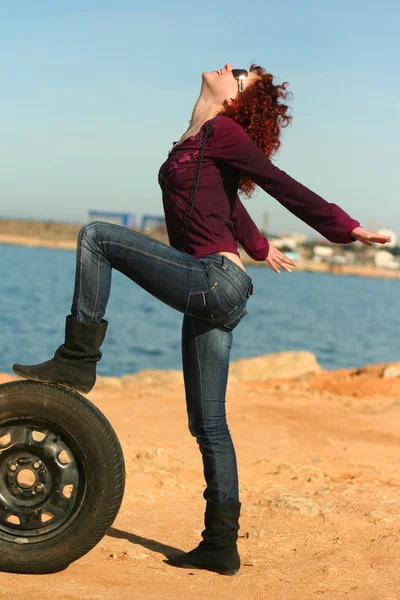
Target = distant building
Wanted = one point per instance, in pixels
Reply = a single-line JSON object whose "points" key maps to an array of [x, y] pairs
{"points": [[153, 223], [299, 238], [392, 234], [385, 259], [323, 253], [292, 239], [118, 218]]}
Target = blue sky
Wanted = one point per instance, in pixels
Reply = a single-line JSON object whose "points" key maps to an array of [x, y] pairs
{"points": [[94, 93]]}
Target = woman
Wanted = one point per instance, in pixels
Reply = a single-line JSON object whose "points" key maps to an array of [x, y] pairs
{"points": [[234, 129]]}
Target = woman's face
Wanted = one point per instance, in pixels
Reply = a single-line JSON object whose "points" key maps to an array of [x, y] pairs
{"points": [[222, 84]]}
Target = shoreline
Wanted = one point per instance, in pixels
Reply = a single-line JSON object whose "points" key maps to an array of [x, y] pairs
{"points": [[300, 368], [304, 265], [36, 242]]}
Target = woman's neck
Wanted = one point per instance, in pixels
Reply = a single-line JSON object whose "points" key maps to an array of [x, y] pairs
{"points": [[202, 112]]}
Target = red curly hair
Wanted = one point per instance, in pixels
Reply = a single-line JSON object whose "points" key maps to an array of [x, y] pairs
{"points": [[261, 110]]}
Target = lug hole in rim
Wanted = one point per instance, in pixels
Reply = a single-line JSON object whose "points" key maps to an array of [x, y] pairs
{"points": [[67, 490], [46, 516], [5, 439], [38, 436], [64, 457], [14, 520]]}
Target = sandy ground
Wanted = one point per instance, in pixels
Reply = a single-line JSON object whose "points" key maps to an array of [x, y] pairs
{"points": [[319, 466]]}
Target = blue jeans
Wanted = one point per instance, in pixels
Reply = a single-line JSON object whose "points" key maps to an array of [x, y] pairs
{"points": [[211, 292]]}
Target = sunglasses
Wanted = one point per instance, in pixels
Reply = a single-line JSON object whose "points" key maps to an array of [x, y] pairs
{"points": [[240, 75]]}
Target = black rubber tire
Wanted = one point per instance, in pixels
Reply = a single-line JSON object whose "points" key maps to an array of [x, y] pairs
{"points": [[99, 456]]}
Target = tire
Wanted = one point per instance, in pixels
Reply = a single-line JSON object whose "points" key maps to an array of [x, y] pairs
{"points": [[58, 494]]}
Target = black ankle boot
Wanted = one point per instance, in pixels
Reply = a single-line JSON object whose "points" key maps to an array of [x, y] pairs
{"points": [[218, 549], [74, 363]]}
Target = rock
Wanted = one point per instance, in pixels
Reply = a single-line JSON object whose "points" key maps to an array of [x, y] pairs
{"points": [[304, 506], [279, 364], [154, 453], [155, 378], [136, 554], [306, 377], [391, 371], [369, 370]]}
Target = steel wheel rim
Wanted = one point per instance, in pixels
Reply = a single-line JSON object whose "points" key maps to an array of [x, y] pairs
{"points": [[39, 478]]}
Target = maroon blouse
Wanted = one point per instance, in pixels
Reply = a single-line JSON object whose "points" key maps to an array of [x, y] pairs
{"points": [[219, 218]]}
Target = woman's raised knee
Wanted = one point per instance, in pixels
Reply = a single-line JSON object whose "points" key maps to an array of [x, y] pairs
{"points": [[90, 230]]}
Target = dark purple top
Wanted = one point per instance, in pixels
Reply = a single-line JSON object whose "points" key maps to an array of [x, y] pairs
{"points": [[219, 218]]}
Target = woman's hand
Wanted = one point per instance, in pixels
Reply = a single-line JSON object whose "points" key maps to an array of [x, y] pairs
{"points": [[368, 237], [276, 259]]}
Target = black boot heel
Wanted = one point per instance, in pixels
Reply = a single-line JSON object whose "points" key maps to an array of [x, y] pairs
{"points": [[218, 550]]}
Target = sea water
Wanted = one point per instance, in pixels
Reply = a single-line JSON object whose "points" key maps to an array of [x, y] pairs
{"points": [[346, 321]]}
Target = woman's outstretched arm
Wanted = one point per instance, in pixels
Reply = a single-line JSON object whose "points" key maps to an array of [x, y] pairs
{"points": [[233, 145]]}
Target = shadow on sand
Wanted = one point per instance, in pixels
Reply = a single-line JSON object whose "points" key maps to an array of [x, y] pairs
{"points": [[168, 551]]}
